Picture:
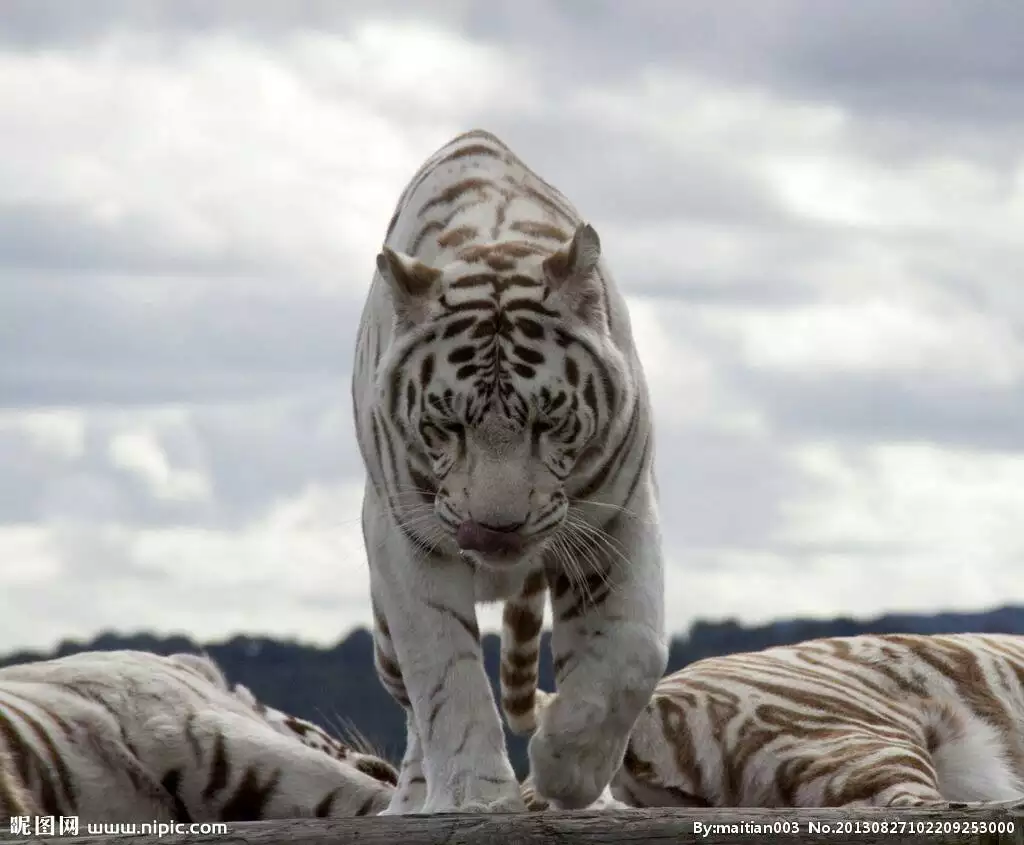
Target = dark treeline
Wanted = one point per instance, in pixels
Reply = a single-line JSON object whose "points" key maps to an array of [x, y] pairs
{"points": [[337, 686]]}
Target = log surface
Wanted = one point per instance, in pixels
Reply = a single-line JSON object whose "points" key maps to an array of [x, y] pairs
{"points": [[968, 826]]}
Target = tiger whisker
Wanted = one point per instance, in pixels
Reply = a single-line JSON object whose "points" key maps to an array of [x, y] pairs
{"points": [[590, 540], [579, 503], [573, 570], [608, 543]]}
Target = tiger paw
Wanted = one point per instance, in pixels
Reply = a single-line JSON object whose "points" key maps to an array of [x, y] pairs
{"points": [[403, 806], [572, 761], [607, 802], [409, 795], [477, 796]]}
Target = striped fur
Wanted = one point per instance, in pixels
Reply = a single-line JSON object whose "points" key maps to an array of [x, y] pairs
{"points": [[356, 752], [496, 386], [133, 736], [894, 720], [15, 797]]}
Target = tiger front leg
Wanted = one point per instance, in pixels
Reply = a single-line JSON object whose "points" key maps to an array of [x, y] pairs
{"points": [[429, 610], [411, 791], [610, 652]]}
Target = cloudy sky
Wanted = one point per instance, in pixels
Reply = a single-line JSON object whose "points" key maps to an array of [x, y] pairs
{"points": [[815, 210]]}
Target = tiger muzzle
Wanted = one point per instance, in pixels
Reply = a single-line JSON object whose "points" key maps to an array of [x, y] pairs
{"points": [[498, 540]]}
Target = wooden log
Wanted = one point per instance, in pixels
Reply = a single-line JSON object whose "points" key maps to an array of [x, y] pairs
{"points": [[967, 826]]}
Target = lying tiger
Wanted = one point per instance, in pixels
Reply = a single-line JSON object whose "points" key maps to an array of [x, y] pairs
{"points": [[122, 736], [896, 720], [133, 736]]}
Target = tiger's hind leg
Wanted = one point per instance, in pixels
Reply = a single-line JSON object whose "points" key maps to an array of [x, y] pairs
{"points": [[954, 757], [973, 759], [867, 770], [521, 624]]}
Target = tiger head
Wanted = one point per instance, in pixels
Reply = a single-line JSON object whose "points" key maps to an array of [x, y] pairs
{"points": [[358, 754], [504, 378]]}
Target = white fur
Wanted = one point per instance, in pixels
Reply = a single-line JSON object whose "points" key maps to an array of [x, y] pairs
{"points": [[605, 802], [618, 650], [479, 777], [15, 797], [135, 717], [971, 763], [926, 698]]}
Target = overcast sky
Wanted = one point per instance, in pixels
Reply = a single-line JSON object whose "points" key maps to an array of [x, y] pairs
{"points": [[814, 208]]}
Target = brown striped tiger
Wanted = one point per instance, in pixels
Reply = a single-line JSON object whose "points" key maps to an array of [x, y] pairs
{"points": [[504, 422], [894, 720], [133, 736]]}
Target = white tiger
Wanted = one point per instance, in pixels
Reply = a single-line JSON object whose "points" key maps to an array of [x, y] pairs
{"points": [[887, 720], [114, 736], [895, 720], [503, 419]]}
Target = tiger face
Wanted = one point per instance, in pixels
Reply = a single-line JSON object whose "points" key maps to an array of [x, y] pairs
{"points": [[502, 377]]}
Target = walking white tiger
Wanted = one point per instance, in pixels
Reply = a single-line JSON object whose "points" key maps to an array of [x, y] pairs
{"points": [[133, 736], [504, 423], [890, 720]]}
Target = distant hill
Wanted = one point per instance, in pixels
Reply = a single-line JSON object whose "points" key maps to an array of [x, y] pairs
{"points": [[337, 685]]}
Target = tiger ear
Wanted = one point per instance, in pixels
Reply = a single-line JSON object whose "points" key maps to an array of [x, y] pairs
{"points": [[411, 282], [244, 693], [570, 272]]}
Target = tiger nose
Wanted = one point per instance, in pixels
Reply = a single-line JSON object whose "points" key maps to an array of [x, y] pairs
{"points": [[489, 539]]}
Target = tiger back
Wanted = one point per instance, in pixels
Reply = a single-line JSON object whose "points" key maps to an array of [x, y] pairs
{"points": [[895, 720], [133, 736]]}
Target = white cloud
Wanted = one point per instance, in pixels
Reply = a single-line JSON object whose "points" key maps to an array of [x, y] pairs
{"points": [[954, 509], [309, 545], [698, 114], [57, 432], [141, 453], [890, 528], [762, 587], [26, 557], [222, 149], [840, 187], [877, 336], [905, 528], [299, 570], [811, 155], [678, 373], [826, 210]]}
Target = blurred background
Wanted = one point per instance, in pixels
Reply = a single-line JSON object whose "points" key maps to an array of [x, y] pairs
{"points": [[814, 209]]}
